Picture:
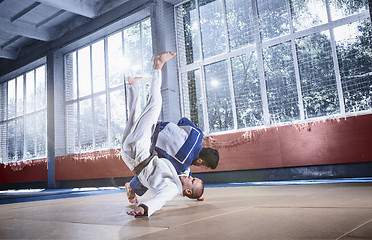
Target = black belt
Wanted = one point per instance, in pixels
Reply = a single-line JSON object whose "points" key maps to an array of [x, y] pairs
{"points": [[138, 169]]}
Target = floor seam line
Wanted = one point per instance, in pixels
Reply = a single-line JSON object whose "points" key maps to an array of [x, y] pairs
{"points": [[144, 234], [314, 207], [73, 222], [218, 215], [354, 229]]}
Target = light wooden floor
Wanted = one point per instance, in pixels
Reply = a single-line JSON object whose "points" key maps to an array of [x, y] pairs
{"points": [[315, 211]]}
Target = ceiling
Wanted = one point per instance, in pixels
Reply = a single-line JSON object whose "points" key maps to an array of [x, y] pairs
{"points": [[26, 22]]}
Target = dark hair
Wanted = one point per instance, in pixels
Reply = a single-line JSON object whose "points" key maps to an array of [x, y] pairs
{"points": [[197, 193], [210, 156]]}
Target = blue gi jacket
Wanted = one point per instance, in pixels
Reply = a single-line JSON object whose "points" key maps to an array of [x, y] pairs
{"points": [[179, 143]]}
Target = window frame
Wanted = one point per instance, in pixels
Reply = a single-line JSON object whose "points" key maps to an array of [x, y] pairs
{"points": [[117, 28], [259, 46], [26, 114]]}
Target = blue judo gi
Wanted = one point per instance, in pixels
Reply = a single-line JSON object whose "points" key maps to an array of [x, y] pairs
{"points": [[179, 143]]}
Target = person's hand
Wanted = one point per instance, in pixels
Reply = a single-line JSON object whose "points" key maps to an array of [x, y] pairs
{"points": [[136, 212], [202, 198]]}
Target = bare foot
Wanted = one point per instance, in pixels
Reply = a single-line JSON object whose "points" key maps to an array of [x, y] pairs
{"points": [[131, 195], [161, 59], [133, 80]]}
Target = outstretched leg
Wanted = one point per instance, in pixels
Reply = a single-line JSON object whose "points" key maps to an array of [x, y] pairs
{"points": [[134, 105], [137, 137]]}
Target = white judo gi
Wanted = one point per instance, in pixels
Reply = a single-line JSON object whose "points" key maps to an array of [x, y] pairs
{"points": [[159, 176]]}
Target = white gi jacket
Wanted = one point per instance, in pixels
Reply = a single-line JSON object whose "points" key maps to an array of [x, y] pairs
{"points": [[161, 178]]}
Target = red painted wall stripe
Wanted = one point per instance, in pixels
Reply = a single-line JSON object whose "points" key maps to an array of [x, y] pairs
{"points": [[333, 141]]}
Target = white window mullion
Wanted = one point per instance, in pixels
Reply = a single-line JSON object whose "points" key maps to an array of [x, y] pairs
{"points": [[180, 86], [335, 62], [107, 90], [260, 65], [141, 50], [230, 75], [16, 129], [77, 102], [32, 113], [46, 111], [124, 82], [180, 80], [204, 100], [203, 87], [295, 62], [199, 29], [298, 80], [232, 94], [225, 27], [92, 99]]}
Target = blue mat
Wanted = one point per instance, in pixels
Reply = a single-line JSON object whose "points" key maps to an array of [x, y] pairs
{"points": [[30, 195]]}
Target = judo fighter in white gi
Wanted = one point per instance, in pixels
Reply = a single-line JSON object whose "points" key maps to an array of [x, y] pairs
{"points": [[157, 174], [181, 145]]}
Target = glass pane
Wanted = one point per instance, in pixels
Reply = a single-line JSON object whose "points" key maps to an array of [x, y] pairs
{"points": [[11, 140], [70, 76], [317, 75], [308, 13], [40, 88], [188, 33], [247, 90], [281, 83], [218, 97], [3, 142], [342, 8], [273, 18], [3, 102], [212, 23], [41, 134], [240, 23], [30, 92], [30, 136], [115, 59], [193, 98], [118, 116], [19, 138], [84, 72], [72, 128], [132, 51], [20, 95], [86, 125], [147, 48], [98, 66], [100, 121], [11, 99], [354, 50]]}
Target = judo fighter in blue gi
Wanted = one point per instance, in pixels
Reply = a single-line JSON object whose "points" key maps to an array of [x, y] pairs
{"points": [[181, 144], [155, 173]]}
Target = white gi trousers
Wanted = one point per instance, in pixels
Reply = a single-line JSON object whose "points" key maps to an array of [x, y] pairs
{"points": [[140, 126], [159, 176]]}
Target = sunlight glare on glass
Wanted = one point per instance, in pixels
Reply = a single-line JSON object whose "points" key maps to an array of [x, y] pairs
{"points": [[347, 33], [314, 7], [214, 82], [123, 63]]}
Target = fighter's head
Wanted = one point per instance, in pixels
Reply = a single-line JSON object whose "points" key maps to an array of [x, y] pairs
{"points": [[192, 187], [208, 158]]}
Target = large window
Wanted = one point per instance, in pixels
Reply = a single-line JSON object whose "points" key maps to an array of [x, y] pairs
{"points": [[248, 63], [23, 117], [95, 88]]}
